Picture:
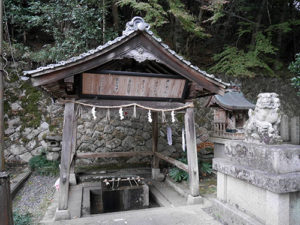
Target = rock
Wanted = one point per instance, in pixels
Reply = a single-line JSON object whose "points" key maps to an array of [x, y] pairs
{"points": [[146, 135], [133, 160], [18, 129], [130, 131], [88, 125], [37, 151], [119, 134], [16, 106], [96, 134], [9, 131], [32, 134], [31, 144], [14, 122], [27, 131], [52, 156], [108, 129], [42, 135], [113, 143], [139, 140], [44, 144], [53, 138], [128, 142], [25, 157], [17, 149], [99, 143], [44, 126], [86, 147], [54, 149]]}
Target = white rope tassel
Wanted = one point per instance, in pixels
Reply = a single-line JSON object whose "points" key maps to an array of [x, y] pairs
{"points": [[163, 117], [121, 114], [149, 117], [94, 112], [108, 115], [173, 116], [134, 111]]}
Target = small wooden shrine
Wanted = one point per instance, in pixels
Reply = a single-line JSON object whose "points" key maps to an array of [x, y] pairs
{"points": [[230, 113], [134, 70]]}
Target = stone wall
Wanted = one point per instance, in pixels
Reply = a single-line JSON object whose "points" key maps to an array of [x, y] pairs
{"points": [[28, 121]]}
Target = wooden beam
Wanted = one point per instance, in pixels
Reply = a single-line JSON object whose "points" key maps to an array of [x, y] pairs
{"points": [[174, 162], [5, 200], [155, 160], [111, 154], [67, 138], [192, 152]]}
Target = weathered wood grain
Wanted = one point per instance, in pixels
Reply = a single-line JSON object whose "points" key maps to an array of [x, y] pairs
{"points": [[140, 86], [174, 162], [111, 154], [68, 126], [6, 217], [191, 152]]}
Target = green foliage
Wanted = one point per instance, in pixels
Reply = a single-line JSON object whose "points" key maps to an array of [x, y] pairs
{"points": [[205, 168], [153, 12], [22, 219], [187, 20], [42, 166], [294, 67], [75, 26], [31, 115], [217, 8], [235, 62], [177, 174], [157, 15]]}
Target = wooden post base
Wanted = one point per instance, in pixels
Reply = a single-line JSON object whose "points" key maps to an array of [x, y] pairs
{"points": [[6, 217], [62, 215]]}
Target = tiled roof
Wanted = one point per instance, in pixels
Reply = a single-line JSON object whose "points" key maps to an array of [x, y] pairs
{"points": [[135, 25], [234, 100]]}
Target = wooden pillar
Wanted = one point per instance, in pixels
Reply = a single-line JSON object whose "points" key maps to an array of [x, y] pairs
{"points": [[155, 159], [5, 200], [72, 166], [67, 139], [192, 151]]}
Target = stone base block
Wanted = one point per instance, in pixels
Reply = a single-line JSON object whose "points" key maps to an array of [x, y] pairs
{"points": [[265, 206], [193, 200], [229, 214], [156, 175], [72, 179], [62, 215]]}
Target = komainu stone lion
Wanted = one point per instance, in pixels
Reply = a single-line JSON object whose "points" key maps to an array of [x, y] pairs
{"points": [[264, 120]]}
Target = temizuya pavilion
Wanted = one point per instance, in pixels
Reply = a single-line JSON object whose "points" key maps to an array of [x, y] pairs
{"points": [[134, 70]]}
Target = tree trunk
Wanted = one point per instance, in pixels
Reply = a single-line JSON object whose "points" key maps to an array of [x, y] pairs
{"points": [[104, 22], [115, 14], [257, 24], [279, 35]]}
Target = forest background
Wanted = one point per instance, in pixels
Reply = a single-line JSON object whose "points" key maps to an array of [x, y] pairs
{"points": [[252, 43]]}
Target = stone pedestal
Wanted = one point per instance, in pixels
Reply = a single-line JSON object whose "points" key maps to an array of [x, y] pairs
{"points": [[285, 128], [258, 184], [295, 130]]}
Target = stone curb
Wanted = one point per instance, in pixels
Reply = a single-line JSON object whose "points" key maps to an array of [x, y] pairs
{"points": [[18, 182]]}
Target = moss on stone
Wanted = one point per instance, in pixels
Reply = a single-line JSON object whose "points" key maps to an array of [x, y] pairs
{"points": [[31, 114]]}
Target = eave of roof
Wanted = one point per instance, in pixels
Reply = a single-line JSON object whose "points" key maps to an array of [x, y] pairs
{"points": [[136, 25], [233, 100]]}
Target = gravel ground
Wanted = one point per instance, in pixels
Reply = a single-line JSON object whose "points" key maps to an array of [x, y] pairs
{"points": [[35, 196]]}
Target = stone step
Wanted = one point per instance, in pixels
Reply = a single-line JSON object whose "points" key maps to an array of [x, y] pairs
{"points": [[173, 197]]}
